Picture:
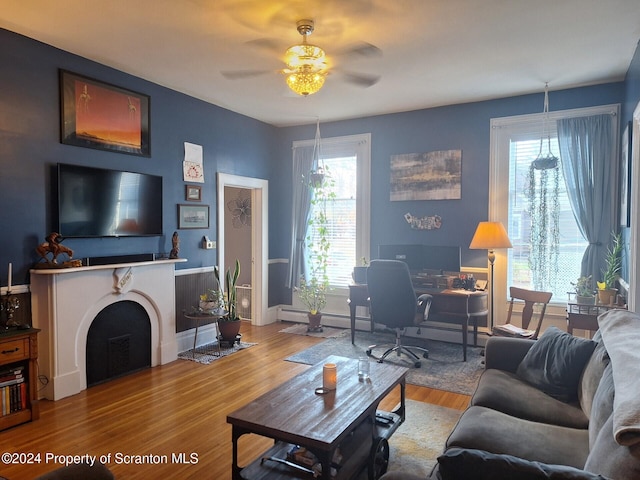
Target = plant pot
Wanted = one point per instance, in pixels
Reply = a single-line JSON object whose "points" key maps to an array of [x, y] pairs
{"points": [[208, 306], [607, 296], [229, 330], [586, 300], [359, 274], [314, 321]]}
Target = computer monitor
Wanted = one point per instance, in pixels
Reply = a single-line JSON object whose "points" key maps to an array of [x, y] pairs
{"points": [[412, 255], [441, 258]]}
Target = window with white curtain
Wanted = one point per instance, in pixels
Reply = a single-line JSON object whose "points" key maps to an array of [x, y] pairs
{"points": [[347, 159], [515, 143]]}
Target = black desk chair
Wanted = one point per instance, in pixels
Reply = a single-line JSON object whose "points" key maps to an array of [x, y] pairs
{"points": [[393, 303]]}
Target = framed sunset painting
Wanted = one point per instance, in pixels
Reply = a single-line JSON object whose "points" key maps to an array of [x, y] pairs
{"points": [[98, 115]]}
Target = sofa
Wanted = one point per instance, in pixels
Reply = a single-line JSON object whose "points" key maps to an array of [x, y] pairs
{"points": [[559, 407]]}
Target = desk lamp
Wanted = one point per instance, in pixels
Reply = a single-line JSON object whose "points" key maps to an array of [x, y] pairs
{"points": [[489, 236]]}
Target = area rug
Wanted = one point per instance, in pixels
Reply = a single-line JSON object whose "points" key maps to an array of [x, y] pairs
{"points": [[327, 332], [207, 354], [418, 442], [443, 370]]}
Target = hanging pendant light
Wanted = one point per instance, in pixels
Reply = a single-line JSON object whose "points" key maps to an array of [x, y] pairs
{"points": [[548, 160]]}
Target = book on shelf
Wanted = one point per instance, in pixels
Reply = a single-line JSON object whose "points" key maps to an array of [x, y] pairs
{"points": [[14, 398]]}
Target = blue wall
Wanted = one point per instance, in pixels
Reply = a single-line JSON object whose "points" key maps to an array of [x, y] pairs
{"points": [[464, 127], [30, 147]]}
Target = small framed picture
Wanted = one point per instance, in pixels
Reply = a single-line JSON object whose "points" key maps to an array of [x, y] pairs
{"points": [[193, 216], [193, 193]]}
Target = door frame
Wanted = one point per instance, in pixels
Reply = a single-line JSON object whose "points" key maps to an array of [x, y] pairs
{"points": [[259, 238]]}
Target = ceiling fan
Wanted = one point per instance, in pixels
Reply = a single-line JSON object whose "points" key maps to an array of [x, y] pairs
{"points": [[307, 67]]}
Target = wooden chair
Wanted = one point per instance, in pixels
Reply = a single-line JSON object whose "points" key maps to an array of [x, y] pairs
{"points": [[530, 298]]}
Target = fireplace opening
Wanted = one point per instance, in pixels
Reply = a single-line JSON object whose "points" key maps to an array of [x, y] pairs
{"points": [[118, 342]]}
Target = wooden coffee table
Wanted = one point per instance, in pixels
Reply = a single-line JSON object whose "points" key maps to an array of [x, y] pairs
{"points": [[346, 419]]}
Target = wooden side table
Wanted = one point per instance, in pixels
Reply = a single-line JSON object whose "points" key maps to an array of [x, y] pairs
{"points": [[19, 351], [585, 317]]}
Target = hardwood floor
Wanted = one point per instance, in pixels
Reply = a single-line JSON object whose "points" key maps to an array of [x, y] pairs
{"points": [[178, 408]]}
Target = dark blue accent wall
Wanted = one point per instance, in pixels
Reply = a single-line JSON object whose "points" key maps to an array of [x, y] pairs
{"points": [[30, 149], [465, 127], [235, 144]]}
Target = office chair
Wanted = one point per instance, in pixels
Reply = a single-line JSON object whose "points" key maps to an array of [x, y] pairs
{"points": [[530, 298], [393, 303]]}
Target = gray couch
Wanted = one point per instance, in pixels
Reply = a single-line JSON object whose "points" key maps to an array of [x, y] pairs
{"points": [[547, 409]]}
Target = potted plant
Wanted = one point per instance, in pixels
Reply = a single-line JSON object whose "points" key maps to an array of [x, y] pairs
{"points": [[584, 291], [313, 288], [313, 295], [229, 325], [360, 272], [613, 263]]}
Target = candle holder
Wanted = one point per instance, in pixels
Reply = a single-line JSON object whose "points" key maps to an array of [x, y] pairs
{"points": [[9, 304]]}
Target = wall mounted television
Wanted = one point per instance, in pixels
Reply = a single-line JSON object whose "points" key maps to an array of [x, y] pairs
{"points": [[443, 258], [96, 202]]}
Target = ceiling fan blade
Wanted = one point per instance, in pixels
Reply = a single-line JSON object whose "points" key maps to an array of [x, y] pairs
{"points": [[361, 79], [242, 74], [361, 49], [270, 44]]}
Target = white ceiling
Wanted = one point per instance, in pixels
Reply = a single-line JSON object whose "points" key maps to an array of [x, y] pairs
{"points": [[434, 52]]}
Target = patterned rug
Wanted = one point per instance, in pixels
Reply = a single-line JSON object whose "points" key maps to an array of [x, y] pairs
{"points": [[208, 353], [443, 370], [418, 442], [327, 332]]}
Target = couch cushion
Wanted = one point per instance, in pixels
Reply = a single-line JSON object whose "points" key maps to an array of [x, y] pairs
{"points": [[612, 460], [508, 393], [555, 363], [620, 332], [591, 375], [457, 464], [496, 432]]}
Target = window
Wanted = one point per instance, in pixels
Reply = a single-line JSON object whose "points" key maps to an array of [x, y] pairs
{"points": [[347, 160], [515, 143], [561, 266]]}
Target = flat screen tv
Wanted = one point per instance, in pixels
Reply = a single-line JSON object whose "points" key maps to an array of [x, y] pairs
{"points": [[423, 257], [96, 202]]}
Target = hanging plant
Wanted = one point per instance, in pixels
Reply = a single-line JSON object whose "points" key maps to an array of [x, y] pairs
{"points": [[543, 190]]}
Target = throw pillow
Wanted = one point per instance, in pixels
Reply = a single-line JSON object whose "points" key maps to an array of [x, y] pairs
{"points": [[468, 464], [555, 362]]}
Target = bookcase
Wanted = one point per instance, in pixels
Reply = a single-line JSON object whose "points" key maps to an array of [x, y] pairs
{"points": [[18, 377]]}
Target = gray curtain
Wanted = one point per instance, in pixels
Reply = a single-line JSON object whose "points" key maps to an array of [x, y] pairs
{"points": [[589, 172], [302, 165]]}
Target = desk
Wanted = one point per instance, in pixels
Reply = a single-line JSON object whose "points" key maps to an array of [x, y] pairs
{"points": [[464, 305]]}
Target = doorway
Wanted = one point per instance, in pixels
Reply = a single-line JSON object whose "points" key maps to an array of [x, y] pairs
{"points": [[236, 192]]}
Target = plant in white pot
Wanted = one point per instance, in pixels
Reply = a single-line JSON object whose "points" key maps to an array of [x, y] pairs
{"points": [[613, 264]]}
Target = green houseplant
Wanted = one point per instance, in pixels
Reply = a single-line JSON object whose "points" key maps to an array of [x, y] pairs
{"points": [[313, 289], [613, 264], [229, 325], [583, 288]]}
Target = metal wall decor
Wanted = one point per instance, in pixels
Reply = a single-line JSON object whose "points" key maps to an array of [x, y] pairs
{"points": [[240, 209], [423, 223]]}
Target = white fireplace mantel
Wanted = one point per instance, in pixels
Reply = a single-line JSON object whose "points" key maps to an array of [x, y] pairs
{"points": [[65, 302]]}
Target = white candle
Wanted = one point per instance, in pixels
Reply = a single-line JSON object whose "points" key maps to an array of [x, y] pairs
{"points": [[329, 376], [9, 280]]}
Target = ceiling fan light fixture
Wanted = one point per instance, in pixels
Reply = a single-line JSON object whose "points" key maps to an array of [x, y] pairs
{"points": [[305, 55], [305, 81]]}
